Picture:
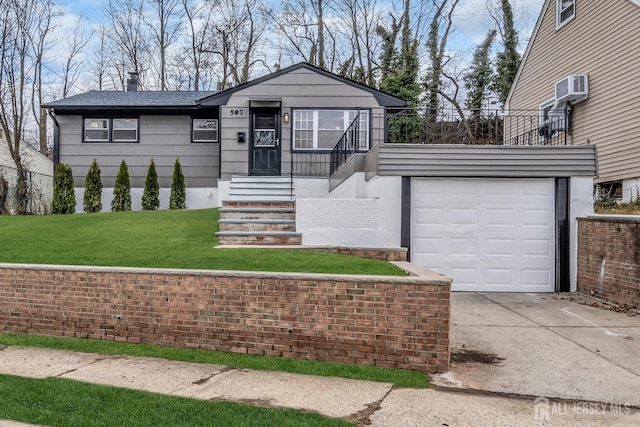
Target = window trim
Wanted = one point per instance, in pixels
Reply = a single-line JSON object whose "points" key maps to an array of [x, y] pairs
{"points": [[201, 141], [315, 129], [546, 104], [113, 130], [559, 10], [84, 129], [110, 139]]}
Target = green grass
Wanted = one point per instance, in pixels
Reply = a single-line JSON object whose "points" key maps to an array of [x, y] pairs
{"points": [[170, 239], [398, 377], [61, 402]]}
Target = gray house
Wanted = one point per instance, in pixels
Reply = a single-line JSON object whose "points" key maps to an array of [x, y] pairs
{"points": [[284, 123], [301, 156]]}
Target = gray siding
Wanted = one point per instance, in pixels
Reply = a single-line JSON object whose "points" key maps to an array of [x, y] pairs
{"points": [[301, 88], [602, 41], [485, 161], [163, 138]]}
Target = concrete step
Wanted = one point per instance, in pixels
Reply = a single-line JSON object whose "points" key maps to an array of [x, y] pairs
{"points": [[244, 178], [257, 213], [259, 238], [261, 188], [258, 204], [259, 196], [244, 225]]}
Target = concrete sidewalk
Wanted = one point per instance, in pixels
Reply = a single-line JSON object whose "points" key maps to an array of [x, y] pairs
{"points": [[536, 346]]}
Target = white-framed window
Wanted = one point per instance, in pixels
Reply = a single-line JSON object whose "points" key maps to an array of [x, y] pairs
{"points": [[96, 130], [545, 129], [205, 130], [125, 130], [322, 129], [565, 12]]}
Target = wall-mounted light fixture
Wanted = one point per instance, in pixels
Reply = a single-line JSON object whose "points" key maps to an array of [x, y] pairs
{"points": [[286, 117]]}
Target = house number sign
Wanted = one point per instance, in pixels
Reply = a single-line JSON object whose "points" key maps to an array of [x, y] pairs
{"points": [[235, 112]]}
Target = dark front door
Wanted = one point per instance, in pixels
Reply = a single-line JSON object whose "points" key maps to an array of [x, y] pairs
{"points": [[264, 151]]}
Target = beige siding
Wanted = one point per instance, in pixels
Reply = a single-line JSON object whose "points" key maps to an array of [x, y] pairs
{"points": [[162, 138], [602, 41], [301, 88]]}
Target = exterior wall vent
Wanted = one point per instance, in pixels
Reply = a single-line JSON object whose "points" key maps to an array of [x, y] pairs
{"points": [[573, 88]]}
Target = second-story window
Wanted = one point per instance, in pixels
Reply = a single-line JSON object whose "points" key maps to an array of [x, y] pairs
{"points": [[565, 12]]}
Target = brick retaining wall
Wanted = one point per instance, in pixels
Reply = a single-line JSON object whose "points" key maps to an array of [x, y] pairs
{"points": [[609, 258], [400, 322]]}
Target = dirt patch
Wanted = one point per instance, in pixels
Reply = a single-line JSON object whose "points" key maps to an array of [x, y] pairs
{"points": [[592, 301], [474, 356]]}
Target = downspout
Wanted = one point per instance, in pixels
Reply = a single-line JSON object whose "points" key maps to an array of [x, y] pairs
{"points": [[56, 139]]}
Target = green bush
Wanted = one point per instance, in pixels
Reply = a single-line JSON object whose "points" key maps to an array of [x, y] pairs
{"points": [[151, 194], [178, 196], [122, 190], [92, 198], [64, 198]]}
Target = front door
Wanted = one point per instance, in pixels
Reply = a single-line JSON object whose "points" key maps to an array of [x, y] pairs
{"points": [[264, 151]]}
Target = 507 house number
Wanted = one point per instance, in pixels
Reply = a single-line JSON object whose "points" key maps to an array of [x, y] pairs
{"points": [[236, 112]]}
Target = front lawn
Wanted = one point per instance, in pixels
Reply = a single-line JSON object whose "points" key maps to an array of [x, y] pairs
{"points": [[169, 238], [62, 402]]}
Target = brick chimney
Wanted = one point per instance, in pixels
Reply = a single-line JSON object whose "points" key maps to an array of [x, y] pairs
{"points": [[133, 82]]}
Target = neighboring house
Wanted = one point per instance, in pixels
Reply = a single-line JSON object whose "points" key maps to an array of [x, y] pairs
{"points": [[38, 172], [312, 145], [598, 42]]}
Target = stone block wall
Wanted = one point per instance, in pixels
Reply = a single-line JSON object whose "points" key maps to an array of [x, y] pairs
{"points": [[609, 258], [400, 322]]}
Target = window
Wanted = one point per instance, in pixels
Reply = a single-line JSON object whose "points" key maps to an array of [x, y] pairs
{"points": [[96, 130], [565, 12], [322, 129], [125, 130], [110, 130], [205, 130]]}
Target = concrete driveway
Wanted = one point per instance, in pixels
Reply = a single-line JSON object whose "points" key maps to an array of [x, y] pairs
{"points": [[563, 346]]}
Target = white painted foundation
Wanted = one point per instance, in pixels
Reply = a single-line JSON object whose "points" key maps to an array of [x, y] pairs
{"points": [[357, 213], [197, 198]]}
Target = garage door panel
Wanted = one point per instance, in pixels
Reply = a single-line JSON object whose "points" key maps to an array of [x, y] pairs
{"points": [[487, 234]]}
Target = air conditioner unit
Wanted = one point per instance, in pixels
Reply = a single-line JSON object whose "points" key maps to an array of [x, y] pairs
{"points": [[573, 88]]}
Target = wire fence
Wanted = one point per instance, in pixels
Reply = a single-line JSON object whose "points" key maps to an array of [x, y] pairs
{"points": [[23, 192]]}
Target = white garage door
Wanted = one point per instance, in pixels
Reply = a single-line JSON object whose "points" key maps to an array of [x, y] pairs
{"points": [[494, 235]]}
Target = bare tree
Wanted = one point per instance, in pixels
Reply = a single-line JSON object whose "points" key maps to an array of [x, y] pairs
{"points": [[100, 62], [73, 67], [40, 43], [237, 27], [165, 24], [361, 18], [194, 60], [303, 26], [128, 45], [439, 30], [19, 27]]}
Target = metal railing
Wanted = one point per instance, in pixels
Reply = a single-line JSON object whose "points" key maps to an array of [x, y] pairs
{"points": [[310, 164], [348, 145], [523, 127]]}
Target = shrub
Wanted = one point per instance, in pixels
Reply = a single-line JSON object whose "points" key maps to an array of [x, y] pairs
{"points": [[122, 190], [92, 198], [150, 196], [64, 198], [178, 196]]}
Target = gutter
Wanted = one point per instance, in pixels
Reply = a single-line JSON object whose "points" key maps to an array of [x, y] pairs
{"points": [[56, 139]]}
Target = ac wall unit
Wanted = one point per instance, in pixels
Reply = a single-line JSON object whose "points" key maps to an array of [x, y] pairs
{"points": [[573, 88]]}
